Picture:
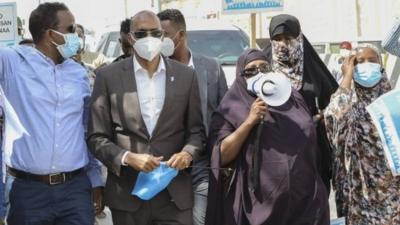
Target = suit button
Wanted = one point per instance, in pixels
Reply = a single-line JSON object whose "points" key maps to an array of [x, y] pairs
{"points": [[172, 200]]}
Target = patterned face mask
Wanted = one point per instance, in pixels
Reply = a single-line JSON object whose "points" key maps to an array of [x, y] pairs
{"points": [[288, 58]]}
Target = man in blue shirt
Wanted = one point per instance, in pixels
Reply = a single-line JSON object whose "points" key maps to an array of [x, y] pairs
{"points": [[44, 93]]}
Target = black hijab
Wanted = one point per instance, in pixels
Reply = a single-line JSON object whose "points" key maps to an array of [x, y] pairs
{"points": [[316, 77], [317, 84], [257, 190], [239, 90]]}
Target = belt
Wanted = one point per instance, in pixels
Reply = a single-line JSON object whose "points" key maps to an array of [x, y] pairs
{"points": [[49, 179]]}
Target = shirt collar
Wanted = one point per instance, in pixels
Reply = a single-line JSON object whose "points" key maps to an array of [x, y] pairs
{"points": [[190, 63], [137, 67], [31, 53]]}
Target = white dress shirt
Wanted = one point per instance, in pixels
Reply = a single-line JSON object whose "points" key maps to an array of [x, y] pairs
{"points": [[190, 63], [151, 94]]}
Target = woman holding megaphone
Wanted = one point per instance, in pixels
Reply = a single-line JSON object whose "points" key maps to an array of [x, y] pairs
{"points": [[264, 132]]}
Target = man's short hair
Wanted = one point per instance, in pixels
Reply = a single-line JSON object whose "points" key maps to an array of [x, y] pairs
{"points": [[44, 17], [125, 26], [175, 16], [81, 27]]}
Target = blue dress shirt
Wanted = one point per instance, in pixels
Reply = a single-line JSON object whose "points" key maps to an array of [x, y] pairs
{"points": [[45, 106]]}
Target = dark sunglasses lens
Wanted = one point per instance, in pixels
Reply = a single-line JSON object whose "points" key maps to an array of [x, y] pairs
{"points": [[250, 71], [140, 34], [71, 29], [265, 68], [156, 33]]}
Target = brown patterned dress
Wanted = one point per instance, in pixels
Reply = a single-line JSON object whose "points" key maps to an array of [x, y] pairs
{"points": [[366, 191]]}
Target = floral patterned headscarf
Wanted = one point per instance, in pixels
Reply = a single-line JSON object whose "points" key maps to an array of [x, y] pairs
{"points": [[288, 58]]}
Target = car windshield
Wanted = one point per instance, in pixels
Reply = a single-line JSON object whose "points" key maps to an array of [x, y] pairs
{"points": [[225, 45]]}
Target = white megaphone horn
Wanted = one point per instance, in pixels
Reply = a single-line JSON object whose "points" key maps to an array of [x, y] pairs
{"points": [[273, 88]]}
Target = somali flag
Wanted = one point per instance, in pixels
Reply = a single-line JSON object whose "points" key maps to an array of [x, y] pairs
{"points": [[338, 221], [385, 113]]}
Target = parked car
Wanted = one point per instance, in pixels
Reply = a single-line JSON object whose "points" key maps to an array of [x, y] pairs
{"points": [[215, 39], [109, 45], [222, 41]]}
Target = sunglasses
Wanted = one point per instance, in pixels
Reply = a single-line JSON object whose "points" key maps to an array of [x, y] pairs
{"points": [[144, 33], [252, 71]]}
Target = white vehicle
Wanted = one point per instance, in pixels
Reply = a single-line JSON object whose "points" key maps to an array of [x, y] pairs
{"points": [[219, 40], [207, 37]]}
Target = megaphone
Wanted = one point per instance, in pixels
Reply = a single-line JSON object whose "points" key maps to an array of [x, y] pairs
{"points": [[273, 88]]}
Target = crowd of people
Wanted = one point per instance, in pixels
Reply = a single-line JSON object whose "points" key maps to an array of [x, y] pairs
{"points": [[78, 130]]}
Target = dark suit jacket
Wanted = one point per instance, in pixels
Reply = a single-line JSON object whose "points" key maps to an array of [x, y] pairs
{"points": [[116, 126], [212, 87], [212, 84]]}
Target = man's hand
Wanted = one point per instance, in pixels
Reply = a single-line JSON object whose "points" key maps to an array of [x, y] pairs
{"points": [[142, 162], [97, 196], [180, 160]]}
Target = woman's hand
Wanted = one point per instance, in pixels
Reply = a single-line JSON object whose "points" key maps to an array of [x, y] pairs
{"points": [[348, 66], [347, 71], [257, 112]]}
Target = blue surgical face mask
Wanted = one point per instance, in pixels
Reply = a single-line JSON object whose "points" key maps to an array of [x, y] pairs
{"points": [[71, 45], [367, 74]]}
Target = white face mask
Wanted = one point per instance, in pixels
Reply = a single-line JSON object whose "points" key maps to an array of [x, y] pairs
{"points": [[168, 47], [148, 47]]}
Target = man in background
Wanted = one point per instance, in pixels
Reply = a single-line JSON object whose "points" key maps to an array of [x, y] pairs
{"points": [[336, 67], [125, 40], [93, 60]]}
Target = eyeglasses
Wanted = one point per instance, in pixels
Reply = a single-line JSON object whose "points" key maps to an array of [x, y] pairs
{"points": [[144, 33], [252, 71], [69, 29]]}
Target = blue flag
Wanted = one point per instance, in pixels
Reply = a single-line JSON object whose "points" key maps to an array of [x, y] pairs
{"points": [[150, 184], [385, 113], [338, 221]]}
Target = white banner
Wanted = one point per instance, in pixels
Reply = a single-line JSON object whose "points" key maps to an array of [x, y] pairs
{"points": [[8, 24], [385, 113], [250, 6]]}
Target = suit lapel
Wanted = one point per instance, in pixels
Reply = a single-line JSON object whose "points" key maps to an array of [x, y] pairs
{"points": [[202, 74], [169, 96], [130, 100]]}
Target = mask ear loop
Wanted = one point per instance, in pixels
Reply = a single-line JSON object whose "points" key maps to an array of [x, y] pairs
{"points": [[176, 46], [61, 34]]}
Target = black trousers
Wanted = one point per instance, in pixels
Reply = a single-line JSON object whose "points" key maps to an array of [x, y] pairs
{"points": [[36, 203], [158, 211]]}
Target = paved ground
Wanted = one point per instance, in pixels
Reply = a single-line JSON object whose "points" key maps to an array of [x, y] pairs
{"points": [[107, 220]]}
